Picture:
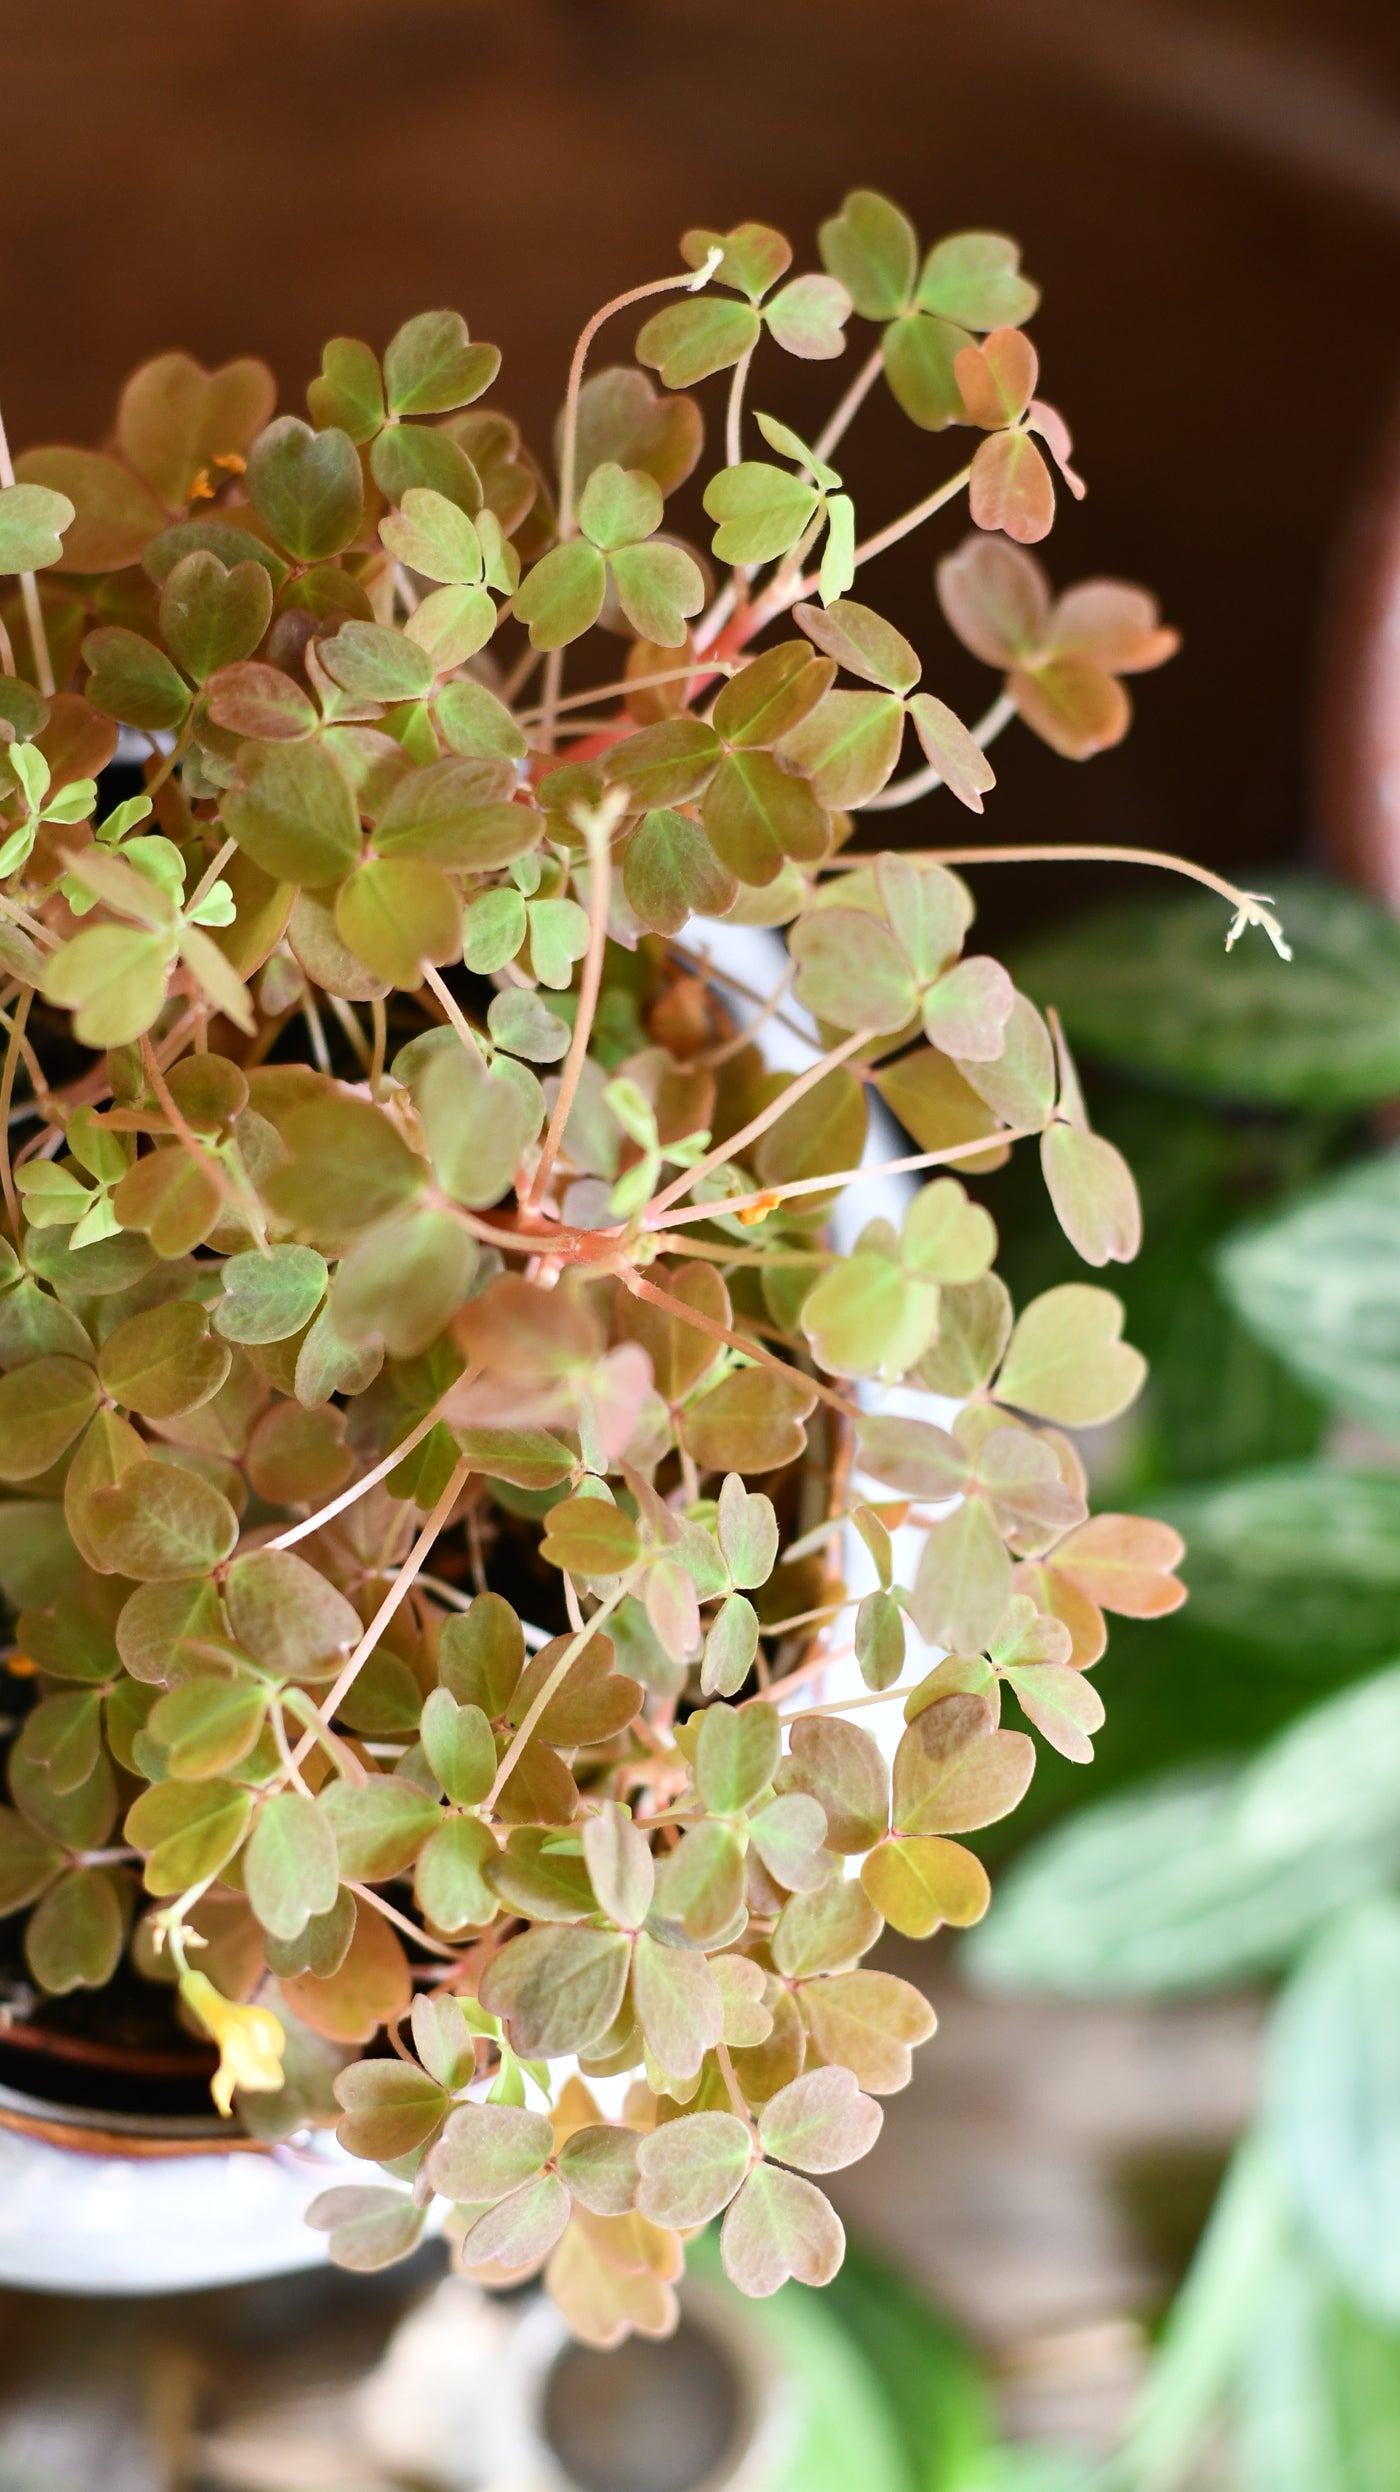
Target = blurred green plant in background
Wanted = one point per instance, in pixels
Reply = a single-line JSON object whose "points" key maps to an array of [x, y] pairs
{"points": [[1265, 1840]]}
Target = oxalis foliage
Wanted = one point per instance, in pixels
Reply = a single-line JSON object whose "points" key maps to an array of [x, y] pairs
{"points": [[428, 1394]]}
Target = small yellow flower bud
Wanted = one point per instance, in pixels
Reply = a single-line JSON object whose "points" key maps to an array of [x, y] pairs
{"points": [[250, 2040]]}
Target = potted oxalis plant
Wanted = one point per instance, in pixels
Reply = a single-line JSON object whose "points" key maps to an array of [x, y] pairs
{"points": [[429, 1395]]}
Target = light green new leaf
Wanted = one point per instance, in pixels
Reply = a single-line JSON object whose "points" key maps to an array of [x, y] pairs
{"points": [[32, 521], [290, 1867], [1067, 1360], [1332, 2101]]}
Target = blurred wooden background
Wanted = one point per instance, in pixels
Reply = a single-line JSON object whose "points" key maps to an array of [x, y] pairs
{"points": [[1208, 190]]}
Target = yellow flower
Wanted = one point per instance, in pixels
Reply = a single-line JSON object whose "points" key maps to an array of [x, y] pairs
{"points": [[250, 2040]]}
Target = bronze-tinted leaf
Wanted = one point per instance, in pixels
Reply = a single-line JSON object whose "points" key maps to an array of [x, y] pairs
{"points": [[750, 1422], [175, 420]]}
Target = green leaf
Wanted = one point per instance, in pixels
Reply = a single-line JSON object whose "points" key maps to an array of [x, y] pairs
{"points": [[307, 487], [293, 813], [379, 1826], [1302, 1558], [588, 1536], [658, 586], [562, 596], [671, 873], [751, 1421], [116, 515], [1091, 1187], [75, 1938], [953, 750], [920, 365], [287, 1616], [1318, 1284], [347, 1169], [482, 1653], [448, 1883], [28, 1861], [866, 1318], [753, 257], [348, 391], [870, 2023], [43, 1407], [163, 1363], [430, 366], [1332, 2101], [780, 2226], [665, 764], [808, 318], [477, 1124], [622, 419], [879, 1639], [369, 2228], [406, 457], [974, 279], [433, 537], [32, 522], [459, 1747], [474, 723], [62, 1735], [251, 699], [558, 1989], [374, 663], [516, 2235], [873, 249], [757, 813], [820, 2122], [397, 915], [210, 536], [487, 2150], [403, 1283], [848, 747], [689, 2169], [619, 1866], [187, 1831], [451, 625], [841, 1767], [678, 2005], [212, 617], [599, 2166], [688, 341], [290, 1867], [748, 1533], [1065, 1707], [838, 563], [268, 1297], [619, 506], [208, 1725], [863, 643], [762, 511], [1067, 1361], [851, 971], [736, 1756], [160, 1523], [1317, 2398], [1164, 1891], [391, 2108], [133, 680], [522, 1023], [953, 1772], [919, 1882]]}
